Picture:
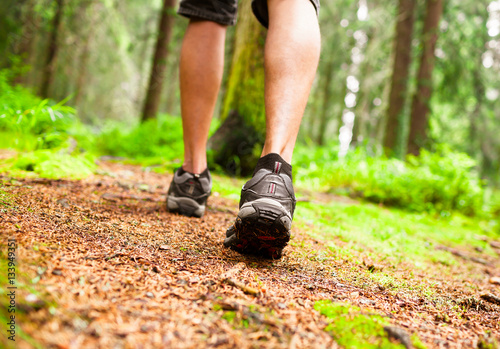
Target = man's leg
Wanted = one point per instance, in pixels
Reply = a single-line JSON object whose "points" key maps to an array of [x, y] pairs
{"points": [[201, 68], [291, 58]]}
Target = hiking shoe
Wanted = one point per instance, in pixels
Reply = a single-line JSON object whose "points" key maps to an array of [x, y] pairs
{"points": [[188, 192], [267, 204]]}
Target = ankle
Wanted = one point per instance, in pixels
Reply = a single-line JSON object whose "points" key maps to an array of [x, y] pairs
{"points": [[194, 168], [284, 152], [274, 162]]}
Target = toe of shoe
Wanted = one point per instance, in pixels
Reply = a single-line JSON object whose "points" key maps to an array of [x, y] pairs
{"points": [[230, 231], [233, 242]]}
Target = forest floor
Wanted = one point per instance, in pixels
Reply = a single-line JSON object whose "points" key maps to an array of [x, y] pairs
{"points": [[102, 264]]}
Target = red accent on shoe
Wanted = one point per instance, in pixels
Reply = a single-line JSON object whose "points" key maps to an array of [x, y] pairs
{"points": [[277, 167]]}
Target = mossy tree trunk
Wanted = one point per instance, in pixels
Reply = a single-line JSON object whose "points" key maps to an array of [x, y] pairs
{"points": [[237, 144]]}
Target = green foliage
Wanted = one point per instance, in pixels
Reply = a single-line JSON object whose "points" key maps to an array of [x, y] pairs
{"points": [[50, 164], [32, 123], [353, 329], [39, 129], [43, 130], [161, 137], [441, 181], [493, 202]]}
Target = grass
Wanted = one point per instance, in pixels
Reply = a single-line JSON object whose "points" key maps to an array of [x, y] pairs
{"points": [[227, 187], [393, 235]]}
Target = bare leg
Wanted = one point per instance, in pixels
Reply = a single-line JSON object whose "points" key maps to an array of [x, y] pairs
{"points": [[201, 68], [291, 59]]}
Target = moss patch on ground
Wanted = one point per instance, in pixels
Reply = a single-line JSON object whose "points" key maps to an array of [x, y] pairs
{"points": [[351, 328]]}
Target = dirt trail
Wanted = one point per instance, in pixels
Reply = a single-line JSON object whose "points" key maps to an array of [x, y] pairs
{"points": [[112, 268]]}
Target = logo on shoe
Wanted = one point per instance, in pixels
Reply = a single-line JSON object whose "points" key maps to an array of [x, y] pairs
{"points": [[277, 167], [272, 188]]}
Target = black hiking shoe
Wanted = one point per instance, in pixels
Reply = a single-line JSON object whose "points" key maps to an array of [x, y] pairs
{"points": [[266, 210], [188, 193]]}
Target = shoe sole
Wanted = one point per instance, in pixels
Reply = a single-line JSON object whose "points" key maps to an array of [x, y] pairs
{"points": [[261, 228], [185, 206]]}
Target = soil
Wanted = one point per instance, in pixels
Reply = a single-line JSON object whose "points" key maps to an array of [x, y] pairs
{"points": [[106, 266]]}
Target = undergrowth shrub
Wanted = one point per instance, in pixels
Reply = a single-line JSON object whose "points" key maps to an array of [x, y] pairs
{"points": [[27, 122], [161, 137], [440, 181], [51, 164], [40, 130]]}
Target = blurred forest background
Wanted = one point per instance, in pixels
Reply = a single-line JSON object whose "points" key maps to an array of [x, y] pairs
{"points": [[404, 111]]}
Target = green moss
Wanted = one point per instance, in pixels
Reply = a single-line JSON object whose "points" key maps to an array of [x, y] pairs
{"points": [[237, 144], [352, 329], [417, 343]]}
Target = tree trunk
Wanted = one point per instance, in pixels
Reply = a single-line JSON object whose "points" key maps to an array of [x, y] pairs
{"points": [[153, 96], [53, 47], [401, 67], [477, 114], [85, 53], [24, 46], [420, 106], [236, 144], [323, 122]]}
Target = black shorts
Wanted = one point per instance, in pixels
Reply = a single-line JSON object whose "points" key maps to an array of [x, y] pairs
{"points": [[224, 11]]}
